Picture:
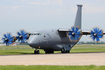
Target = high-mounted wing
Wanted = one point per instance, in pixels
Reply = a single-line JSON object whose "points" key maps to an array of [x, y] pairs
{"points": [[75, 33]]}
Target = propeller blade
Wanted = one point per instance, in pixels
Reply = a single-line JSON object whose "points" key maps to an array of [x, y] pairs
{"points": [[25, 36], [100, 36], [92, 32], [72, 29], [70, 33], [71, 37], [78, 36], [7, 44], [22, 32], [18, 33], [22, 41], [76, 29], [97, 39], [5, 36], [75, 38], [100, 32]]}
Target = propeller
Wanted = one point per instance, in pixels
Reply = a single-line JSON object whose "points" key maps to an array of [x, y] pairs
{"points": [[22, 36], [96, 34], [74, 34], [8, 39]]}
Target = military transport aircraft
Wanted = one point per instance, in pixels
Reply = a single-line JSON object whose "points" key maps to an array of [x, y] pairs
{"points": [[56, 39]]}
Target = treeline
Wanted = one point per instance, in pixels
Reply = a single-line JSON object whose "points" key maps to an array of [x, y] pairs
{"points": [[81, 42], [18, 43]]}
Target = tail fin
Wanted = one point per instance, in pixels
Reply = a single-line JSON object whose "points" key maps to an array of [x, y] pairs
{"points": [[78, 17]]}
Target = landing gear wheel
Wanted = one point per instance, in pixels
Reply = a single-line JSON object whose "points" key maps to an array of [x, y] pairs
{"points": [[36, 52], [68, 51], [52, 52], [63, 51], [46, 52]]}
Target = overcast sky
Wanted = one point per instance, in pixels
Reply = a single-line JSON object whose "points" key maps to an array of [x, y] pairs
{"points": [[33, 15]]}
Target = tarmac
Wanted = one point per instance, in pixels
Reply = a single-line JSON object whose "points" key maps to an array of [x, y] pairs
{"points": [[72, 59]]}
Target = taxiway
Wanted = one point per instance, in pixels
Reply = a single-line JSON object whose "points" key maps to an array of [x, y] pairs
{"points": [[97, 59]]}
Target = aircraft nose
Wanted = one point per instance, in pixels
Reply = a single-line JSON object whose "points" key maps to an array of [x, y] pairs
{"points": [[33, 41]]}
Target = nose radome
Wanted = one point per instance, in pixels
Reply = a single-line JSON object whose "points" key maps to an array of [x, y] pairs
{"points": [[32, 40]]}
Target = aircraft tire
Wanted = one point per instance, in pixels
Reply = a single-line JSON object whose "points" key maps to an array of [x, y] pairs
{"points": [[46, 52], [36, 52], [62, 51], [52, 52], [66, 51]]}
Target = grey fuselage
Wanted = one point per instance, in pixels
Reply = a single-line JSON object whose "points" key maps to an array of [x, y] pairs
{"points": [[50, 40]]}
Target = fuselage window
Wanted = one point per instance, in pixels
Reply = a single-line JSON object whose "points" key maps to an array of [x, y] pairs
{"points": [[35, 34], [44, 36]]}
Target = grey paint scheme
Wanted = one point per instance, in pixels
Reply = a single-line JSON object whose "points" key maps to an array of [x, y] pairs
{"points": [[78, 16], [54, 39]]}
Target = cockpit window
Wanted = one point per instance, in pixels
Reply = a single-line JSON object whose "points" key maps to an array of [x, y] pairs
{"points": [[35, 34]]}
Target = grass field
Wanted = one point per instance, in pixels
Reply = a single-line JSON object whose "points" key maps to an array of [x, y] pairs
{"points": [[40, 67], [25, 49]]}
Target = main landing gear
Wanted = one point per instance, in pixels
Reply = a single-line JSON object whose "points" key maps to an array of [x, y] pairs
{"points": [[36, 51], [49, 52], [67, 51]]}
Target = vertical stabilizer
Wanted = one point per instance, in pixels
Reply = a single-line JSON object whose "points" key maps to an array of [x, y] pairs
{"points": [[78, 16]]}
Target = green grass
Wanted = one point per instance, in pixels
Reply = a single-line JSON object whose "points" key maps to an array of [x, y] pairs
{"points": [[24, 49], [88, 48], [45, 67]]}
